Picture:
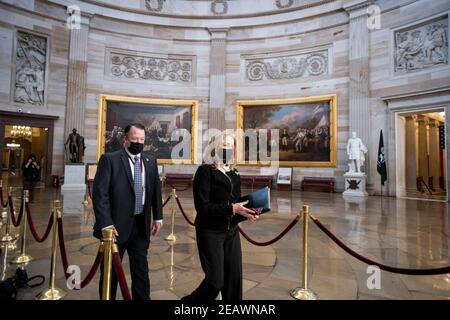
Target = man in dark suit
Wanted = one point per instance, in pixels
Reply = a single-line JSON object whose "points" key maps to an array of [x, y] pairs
{"points": [[126, 190]]}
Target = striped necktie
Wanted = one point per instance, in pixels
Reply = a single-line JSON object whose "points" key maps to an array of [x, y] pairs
{"points": [[138, 188]]}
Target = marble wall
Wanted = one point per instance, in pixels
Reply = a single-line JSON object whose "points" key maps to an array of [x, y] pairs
{"points": [[33, 71], [219, 60]]}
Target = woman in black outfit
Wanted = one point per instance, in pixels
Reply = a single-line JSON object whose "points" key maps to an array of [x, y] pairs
{"points": [[216, 189]]}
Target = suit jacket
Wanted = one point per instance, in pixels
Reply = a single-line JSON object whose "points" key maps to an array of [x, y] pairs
{"points": [[214, 195], [113, 194]]}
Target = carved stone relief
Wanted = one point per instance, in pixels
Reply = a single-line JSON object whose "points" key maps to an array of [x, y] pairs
{"points": [[282, 4], [31, 59], [154, 5], [154, 68], [219, 7], [422, 47], [290, 67]]}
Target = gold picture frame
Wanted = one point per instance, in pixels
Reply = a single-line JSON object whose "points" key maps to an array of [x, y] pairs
{"points": [[133, 104], [292, 155]]}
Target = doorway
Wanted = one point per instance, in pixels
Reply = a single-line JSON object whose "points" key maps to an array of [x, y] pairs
{"points": [[20, 136], [421, 161], [21, 142]]}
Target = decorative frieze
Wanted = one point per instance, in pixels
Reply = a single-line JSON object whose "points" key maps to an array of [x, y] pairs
{"points": [[282, 4], [288, 67], [219, 7], [421, 46], [131, 66], [154, 5], [30, 68]]}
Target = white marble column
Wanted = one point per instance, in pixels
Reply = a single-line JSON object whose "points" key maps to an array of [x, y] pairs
{"points": [[410, 154], [422, 122], [359, 91], [77, 74], [216, 112], [433, 141]]}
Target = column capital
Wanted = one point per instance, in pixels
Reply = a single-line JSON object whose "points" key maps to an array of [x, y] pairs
{"points": [[357, 8], [433, 122], [218, 33], [421, 119]]}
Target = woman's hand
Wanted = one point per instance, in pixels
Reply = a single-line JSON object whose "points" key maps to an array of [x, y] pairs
{"points": [[238, 208]]}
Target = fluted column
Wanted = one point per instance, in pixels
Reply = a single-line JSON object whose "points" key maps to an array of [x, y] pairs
{"points": [[410, 154], [77, 74], [433, 141], [359, 95], [423, 147], [216, 114]]}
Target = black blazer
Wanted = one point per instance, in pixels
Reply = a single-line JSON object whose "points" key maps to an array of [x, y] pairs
{"points": [[213, 199], [113, 194]]}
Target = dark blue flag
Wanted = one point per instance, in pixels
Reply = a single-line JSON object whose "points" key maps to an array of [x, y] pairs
{"points": [[381, 162]]}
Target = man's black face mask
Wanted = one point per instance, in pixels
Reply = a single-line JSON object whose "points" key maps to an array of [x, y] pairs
{"points": [[136, 147]]}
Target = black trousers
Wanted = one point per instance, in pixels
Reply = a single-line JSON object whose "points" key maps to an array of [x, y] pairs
{"points": [[221, 260], [137, 249]]}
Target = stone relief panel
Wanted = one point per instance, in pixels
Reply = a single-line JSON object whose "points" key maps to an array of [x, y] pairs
{"points": [[219, 7], [288, 67], [421, 47], [30, 64], [132, 66], [282, 4], [154, 5]]}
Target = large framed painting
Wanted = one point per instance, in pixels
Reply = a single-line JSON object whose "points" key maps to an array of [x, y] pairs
{"points": [[170, 126], [302, 131]]}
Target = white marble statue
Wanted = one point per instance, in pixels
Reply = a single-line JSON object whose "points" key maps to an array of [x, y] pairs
{"points": [[355, 151]]}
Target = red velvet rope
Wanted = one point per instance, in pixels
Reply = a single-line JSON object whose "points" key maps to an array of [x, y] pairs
{"points": [[1, 198], [167, 200], [15, 222], [384, 267], [93, 271], [62, 248], [184, 213], [278, 237], [121, 276], [32, 227]]}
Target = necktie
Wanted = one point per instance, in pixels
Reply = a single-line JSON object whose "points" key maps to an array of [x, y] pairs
{"points": [[138, 189]]}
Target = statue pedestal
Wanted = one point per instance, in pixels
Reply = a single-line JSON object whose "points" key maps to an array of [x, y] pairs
{"points": [[355, 185], [74, 188], [74, 177]]}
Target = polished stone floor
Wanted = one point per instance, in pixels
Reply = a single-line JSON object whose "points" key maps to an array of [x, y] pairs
{"points": [[398, 232]]}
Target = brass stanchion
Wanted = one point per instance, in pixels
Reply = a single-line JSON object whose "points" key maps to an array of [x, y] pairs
{"points": [[23, 258], [108, 245], [53, 293], [171, 236], [4, 209], [8, 237], [303, 293]]}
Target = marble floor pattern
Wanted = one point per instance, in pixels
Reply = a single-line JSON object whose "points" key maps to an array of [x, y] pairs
{"points": [[399, 232]]}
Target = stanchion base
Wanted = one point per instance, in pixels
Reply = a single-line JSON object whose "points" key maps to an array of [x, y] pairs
{"points": [[8, 238], [23, 258], [171, 237], [51, 294], [303, 294]]}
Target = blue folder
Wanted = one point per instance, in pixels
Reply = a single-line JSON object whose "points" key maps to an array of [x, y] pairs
{"points": [[258, 200]]}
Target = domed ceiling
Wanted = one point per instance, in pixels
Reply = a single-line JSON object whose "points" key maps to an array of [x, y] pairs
{"points": [[210, 8]]}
